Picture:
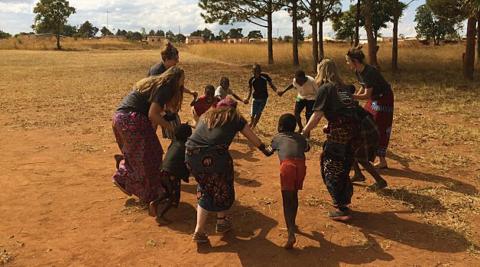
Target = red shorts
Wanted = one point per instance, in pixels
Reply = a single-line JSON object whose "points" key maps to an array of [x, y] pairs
{"points": [[292, 174]]}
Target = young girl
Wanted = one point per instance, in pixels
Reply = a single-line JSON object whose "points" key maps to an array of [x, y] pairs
{"points": [[202, 104], [173, 171], [291, 149], [224, 90]]}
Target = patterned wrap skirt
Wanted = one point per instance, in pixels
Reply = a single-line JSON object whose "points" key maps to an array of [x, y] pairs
{"points": [[382, 112], [336, 160], [212, 168], [139, 172]]}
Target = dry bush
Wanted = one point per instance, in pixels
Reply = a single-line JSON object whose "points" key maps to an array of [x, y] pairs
{"points": [[27, 42]]}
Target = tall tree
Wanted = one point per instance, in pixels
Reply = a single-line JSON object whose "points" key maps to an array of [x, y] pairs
{"points": [[151, 33], [255, 35], [4, 35], [87, 30], [396, 12], [160, 33], [294, 12], [51, 16], [258, 12], [432, 27], [372, 42], [357, 22], [105, 31], [344, 26], [235, 33]]}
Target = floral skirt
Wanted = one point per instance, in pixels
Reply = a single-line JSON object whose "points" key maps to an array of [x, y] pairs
{"points": [[139, 172], [212, 168]]}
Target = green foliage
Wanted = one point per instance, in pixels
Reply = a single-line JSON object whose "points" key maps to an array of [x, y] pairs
{"points": [[170, 36], [105, 31], [4, 35], [235, 33], [432, 27], [344, 25], [160, 33], [255, 35], [205, 33], [87, 30], [151, 33], [121, 33], [51, 16], [300, 34]]}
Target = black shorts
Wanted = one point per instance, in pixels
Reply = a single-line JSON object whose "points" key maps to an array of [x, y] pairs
{"points": [[301, 104]]}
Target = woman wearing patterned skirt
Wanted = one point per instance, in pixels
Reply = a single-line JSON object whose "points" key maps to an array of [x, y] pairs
{"points": [[210, 163], [379, 95], [134, 126], [335, 102]]}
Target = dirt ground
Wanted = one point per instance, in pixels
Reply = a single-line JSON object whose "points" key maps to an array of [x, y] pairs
{"points": [[58, 206]]}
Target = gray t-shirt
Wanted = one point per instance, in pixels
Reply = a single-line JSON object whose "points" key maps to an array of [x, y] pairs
{"points": [[204, 137], [290, 146]]}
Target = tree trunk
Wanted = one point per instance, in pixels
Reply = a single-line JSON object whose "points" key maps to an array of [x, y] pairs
{"points": [[58, 41], [313, 21], [478, 38], [357, 24], [395, 44], [296, 61], [270, 32], [372, 42], [321, 51], [469, 57]]}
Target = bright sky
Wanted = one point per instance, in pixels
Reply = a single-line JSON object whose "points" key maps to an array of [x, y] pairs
{"points": [[175, 15]]}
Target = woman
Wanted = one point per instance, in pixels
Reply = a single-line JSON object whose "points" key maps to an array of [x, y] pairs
{"points": [[336, 103], [170, 57], [210, 163], [134, 126], [379, 95]]}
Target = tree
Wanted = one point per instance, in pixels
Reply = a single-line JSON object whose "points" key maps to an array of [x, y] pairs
{"points": [[4, 35], [51, 16], [87, 30], [222, 35], [205, 33], [357, 22], [69, 30], [170, 36], [300, 34], [105, 31], [160, 33], [258, 12], [180, 38], [396, 12], [121, 33], [344, 26], [235, 33], [432, 27], [255, 35], [135, 36], [372, 41], [151, 33]]}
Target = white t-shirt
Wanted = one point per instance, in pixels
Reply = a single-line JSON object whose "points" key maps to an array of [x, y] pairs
{"points": [[222, 93], [308, 90]]}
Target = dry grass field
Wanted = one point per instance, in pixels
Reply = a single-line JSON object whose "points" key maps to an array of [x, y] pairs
{"points": [[58, 206]]}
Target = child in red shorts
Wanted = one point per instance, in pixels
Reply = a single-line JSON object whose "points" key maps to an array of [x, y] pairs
{"points": [[291, 148], [202, 104]]}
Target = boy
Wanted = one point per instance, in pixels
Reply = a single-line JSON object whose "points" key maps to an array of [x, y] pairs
{"points": [[307, 92], [258, 84], [291, 149], [202, 104], [173, 171], [224, 90]]}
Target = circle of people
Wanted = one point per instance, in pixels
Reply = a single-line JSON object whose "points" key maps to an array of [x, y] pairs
{"points": [[355, 136]]}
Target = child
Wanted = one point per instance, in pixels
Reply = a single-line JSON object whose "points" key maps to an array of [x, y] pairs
{"points": [[173, 171], [202, 104], [258, 84], [291, 149], [224, 90], [307, 92]]}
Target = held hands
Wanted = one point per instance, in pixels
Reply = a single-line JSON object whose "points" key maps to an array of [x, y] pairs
{"points": [[267, 151], [245, 101]]}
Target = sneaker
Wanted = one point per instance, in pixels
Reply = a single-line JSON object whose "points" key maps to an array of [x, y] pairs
{"points": [[200, 238], [223, 227], [358, 178], [342, 215]]}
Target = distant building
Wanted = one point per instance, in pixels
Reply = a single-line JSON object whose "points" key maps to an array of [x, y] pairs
{"points": [[237, 40], [194, 40], [156, 40]]}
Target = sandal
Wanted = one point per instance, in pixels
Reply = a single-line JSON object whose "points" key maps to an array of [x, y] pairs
{"points": [[200, 238], [342, 214], [223, 227]]}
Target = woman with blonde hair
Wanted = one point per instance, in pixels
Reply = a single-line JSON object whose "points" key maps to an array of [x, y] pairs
{"points": [[209, 161], [134, 125]]}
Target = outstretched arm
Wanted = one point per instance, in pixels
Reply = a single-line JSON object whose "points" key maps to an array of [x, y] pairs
{"points": [[312, 123], [286, 89], [156, 117], [192, 93], [274, 88], [249, 94], [254, 140], [237, 97]]}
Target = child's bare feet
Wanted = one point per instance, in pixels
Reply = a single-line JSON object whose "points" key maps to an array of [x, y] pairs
{"points": [[290, 242]]}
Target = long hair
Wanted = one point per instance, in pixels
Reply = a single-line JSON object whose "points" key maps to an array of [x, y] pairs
{"points": [[327, 72], [169, 52], [170, 80], [217, 117]]}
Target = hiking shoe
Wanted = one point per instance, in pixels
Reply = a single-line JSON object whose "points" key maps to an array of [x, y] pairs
{"points": [[224, 227], [378, 186], [342, 215], [200, 238], [358, 178]]}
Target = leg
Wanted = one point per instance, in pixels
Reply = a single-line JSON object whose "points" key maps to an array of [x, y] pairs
{"points": [[223, 223], [309, 109], [357, 176], [257, 119], [299, 106], [290, 207], [380, 183]]}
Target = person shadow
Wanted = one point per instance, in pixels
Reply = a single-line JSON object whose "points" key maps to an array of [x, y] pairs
{"points": [[416, 201]]}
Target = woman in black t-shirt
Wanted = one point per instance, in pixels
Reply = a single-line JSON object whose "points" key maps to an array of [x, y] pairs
{"points": [[134, 126], [379, 95]]}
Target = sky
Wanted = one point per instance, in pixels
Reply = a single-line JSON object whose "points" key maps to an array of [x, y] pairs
{"points": [[176, 15]]}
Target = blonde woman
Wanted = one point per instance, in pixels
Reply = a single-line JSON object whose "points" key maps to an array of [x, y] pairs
{"points": [[210, 163], [134, 126], [335, 102]]}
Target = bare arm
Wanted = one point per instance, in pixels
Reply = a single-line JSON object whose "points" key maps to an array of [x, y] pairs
{"points": [[190, 92], [274, 88], [251, 136], [155, 116], [249, 94], [286, 89], [363, 95], [312, 123], [237, 97]]}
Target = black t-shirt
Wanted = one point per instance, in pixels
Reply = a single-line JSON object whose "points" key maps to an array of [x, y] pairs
{"points": [[260, 86], [174, 160], [203, 137], [290, 145], [333, 101], [157, 69], [371, 77], [140, 102]]}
